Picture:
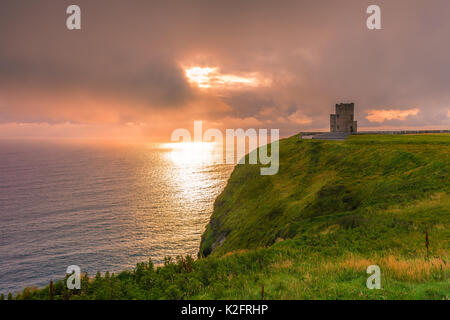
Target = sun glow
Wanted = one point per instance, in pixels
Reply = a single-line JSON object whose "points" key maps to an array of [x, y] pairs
{"points": [[207, 77], [200, 76]]}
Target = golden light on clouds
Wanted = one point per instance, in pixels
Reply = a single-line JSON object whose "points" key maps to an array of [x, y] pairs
{"points": [[208, 77], [299, 118], [392, 114], [200, 76]]}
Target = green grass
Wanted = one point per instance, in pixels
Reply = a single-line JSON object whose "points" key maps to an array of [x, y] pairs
{"points": [[311, 231], [370, 193]]}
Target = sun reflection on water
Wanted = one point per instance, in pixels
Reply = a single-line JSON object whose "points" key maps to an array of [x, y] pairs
{"points": [[195, 154], [124, 203]]}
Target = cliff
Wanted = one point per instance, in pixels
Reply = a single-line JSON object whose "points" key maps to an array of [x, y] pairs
{"points": [[369, 193], [311, 231]]}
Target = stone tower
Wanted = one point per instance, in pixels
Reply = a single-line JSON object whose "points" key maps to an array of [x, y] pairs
{"points": [[343, 120]]}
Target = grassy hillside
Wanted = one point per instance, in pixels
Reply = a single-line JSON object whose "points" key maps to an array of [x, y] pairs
{"points": [[311, 231], [368, 194]]}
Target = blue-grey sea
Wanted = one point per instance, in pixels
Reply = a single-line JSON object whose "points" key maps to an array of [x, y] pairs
{"points": [[103, 207]]}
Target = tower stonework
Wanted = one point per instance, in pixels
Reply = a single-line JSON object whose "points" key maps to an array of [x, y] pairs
{"points": [[343, 119]]}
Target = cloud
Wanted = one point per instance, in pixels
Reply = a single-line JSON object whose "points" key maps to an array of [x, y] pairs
{"points": [[232, 122], [208, 77], [392, 114], [44, 130], [276, 64], [299, 118]]}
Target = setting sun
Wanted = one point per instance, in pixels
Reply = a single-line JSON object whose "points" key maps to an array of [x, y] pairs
{"points": [[200, 76], [208, 77]]}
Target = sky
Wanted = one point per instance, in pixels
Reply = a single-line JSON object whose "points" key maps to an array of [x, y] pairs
{"points": [[141, 69]]}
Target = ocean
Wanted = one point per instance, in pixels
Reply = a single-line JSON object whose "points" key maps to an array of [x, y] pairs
{"points": [[103, 207]]}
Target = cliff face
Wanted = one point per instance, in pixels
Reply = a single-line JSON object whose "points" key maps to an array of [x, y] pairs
{"points": [[350, 194]]}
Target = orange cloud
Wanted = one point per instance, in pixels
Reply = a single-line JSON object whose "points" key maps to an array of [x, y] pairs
{"points": [[234, 122], [299, 118], [392, 114], [67, 130], [278, 115]]}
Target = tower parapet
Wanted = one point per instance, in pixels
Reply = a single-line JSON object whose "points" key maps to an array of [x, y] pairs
{"points": [[343, 119]]}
